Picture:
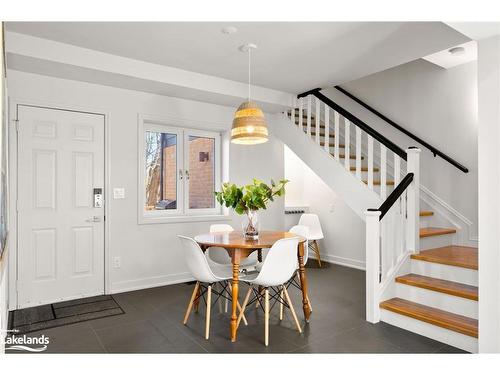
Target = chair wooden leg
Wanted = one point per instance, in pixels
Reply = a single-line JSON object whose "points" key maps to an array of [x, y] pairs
{"points": [[316, 250], [292, 310], [266, 317], [281, 303], [190, 306], [209, 306], [242, 312], [239, 307]]}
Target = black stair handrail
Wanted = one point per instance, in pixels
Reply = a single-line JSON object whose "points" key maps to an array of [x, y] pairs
{"points": [[356, 121], [394, 196], [434, 150]]}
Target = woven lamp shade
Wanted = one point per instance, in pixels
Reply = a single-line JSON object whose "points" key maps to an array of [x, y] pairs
{"points": [[249, 125]]}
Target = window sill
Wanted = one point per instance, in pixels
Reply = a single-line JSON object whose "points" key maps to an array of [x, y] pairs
{"points": [[144, 220]]}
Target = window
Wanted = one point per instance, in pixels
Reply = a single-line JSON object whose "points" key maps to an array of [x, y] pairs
{"points": [[179, 172]]}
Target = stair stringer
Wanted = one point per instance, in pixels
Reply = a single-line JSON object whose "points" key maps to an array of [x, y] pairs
{"points": [[333, 173]]}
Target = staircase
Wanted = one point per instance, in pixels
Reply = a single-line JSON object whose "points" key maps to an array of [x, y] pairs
{"points": [[432, 292], [438, 297], [320, 131]]}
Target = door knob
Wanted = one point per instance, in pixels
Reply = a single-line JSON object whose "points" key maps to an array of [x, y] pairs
{"points": [[94, 219]]}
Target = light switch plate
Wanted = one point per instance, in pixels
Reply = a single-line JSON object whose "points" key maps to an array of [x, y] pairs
{"points": [[118, 193]]}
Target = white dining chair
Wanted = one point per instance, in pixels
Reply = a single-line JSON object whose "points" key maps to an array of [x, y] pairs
{"points": [[299, 230], [220, 257], [278, 268], [315, 233], [205, 277]]}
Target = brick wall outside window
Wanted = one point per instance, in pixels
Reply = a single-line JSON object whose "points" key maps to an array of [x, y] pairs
{"points": [[201, 173]]}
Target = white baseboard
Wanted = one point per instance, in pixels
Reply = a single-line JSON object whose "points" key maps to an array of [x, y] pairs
{"points": [[150, 282], [347, 262]]}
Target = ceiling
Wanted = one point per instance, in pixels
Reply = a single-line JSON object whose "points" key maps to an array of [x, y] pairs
{"points": [[291, 56], [447, 60]]}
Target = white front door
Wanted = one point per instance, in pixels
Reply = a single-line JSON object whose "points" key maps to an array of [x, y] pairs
{"points": [[60, 227]]}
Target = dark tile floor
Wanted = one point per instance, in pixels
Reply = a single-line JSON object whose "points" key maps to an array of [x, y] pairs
{"points": [[152, 324]]}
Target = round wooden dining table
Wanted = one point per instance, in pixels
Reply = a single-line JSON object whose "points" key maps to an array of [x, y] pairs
{"points": [[238, 248]]}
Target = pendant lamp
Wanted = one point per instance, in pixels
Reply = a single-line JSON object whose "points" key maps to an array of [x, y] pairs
{"points": [[249, 125]]}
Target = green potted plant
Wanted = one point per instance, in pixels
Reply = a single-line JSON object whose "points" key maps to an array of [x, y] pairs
{"points": [[247, 200]]}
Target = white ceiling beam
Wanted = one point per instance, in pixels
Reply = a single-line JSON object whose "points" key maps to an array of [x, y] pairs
{"points": [[38, 49]]}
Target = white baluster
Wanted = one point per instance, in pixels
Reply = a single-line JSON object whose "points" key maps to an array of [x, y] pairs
{"points": [[383, 171], [370, 162], [397, 170], [372, 257], [317, 122], [358, 153], [301, 114], [413, 204], [347, 141], [309, 115], [327, 128], [292, 115], [336, 118]]}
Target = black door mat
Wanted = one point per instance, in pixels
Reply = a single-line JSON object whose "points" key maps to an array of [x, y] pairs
{"points": [[62, 313]]}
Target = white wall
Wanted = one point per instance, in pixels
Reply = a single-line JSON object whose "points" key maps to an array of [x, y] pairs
{"points": [[4, 260], [150, 254], [489, 188], [439, 106], [344, 241]]}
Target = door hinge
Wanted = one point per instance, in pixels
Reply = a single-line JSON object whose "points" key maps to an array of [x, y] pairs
{"points": [[17, 125]]}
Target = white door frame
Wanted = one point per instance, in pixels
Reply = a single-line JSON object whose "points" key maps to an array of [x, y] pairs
{"points": [[12, 186]]}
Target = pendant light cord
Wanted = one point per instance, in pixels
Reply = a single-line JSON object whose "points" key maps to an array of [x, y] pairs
{"points": [[249, 49]]}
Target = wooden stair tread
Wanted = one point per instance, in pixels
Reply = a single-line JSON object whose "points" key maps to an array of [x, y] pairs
{"points": [[322, 143], [426, 213], [439, 285], [364, 169], [431, 315], [330, 135], [458, 256], [433, 231], [378, 182], [313, 125], [342, 156]]}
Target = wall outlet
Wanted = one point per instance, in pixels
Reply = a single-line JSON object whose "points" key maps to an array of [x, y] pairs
{"points": [[332, 208], [117, 262]]}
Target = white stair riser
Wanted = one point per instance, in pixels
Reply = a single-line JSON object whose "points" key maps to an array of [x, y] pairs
{"points": [[442, 301], [443, 335], [425, 221], [445, 272], [436, 241]]}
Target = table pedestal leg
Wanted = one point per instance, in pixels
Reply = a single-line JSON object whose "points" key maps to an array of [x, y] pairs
{"points": [[303, 283], [234, 307]]}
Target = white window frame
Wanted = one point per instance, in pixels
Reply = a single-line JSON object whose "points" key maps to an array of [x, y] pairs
{"points": [[182, 213]]}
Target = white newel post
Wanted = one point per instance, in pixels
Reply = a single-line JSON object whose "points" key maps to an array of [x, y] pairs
{"points": [[372, 266], [413, 205]]}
